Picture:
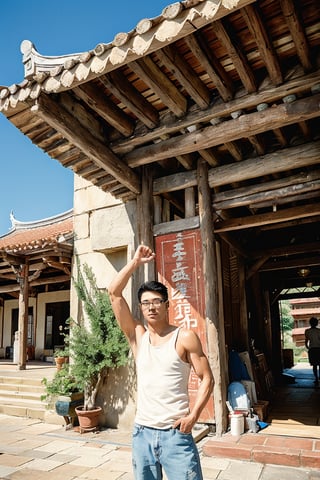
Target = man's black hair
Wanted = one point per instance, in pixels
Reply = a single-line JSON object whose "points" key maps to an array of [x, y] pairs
{"points": [[153, 286], [313, 321]]}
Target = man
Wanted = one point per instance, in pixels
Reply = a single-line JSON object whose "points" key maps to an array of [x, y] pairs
{"points": [[164, 354], [312, 343]]}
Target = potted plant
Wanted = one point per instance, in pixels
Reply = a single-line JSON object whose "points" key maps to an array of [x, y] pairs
{"points": [[61, 353], [63, 391], [61, 356], [96, 344]]}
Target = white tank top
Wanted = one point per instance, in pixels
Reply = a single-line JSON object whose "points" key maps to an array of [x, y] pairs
{"points": [[162, 379]]}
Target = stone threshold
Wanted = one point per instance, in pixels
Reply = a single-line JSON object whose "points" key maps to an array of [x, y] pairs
{"points": [[265, 449]]}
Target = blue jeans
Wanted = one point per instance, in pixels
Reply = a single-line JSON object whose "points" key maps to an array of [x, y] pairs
{"points": [[175, 452]]}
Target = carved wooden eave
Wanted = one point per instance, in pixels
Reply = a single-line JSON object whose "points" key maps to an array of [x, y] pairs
{"points": [[46, 246], [235, 83]]}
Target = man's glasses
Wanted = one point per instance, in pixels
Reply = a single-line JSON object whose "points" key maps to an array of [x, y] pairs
{"points": [[156, 302]]}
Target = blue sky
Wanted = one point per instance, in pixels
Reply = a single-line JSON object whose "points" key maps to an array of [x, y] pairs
{"points": [[33, 185]]}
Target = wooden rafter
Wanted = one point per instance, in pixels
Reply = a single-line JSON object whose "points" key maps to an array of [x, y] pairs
{"points": [[153, 76], [99, 153], [120, 86]]}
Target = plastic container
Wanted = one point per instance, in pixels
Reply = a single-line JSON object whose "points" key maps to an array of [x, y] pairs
{"points": [[236, 424]]}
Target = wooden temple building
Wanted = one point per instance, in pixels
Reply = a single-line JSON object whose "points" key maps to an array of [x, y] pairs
{"points": [[35, 274], [198, 133]]}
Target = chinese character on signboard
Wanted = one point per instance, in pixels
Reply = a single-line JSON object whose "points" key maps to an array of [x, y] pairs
{"points": [[179, 265]]}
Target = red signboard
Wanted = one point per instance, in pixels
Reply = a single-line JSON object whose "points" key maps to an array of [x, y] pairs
{"points": [[179, 265]]}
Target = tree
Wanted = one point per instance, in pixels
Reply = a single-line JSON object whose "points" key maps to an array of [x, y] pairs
{"points": [[287, 319], [96, 344]]}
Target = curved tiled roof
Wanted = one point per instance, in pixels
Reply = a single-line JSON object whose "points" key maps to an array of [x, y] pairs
{"points": [[34, 235], [56, 74], [232, 87]]}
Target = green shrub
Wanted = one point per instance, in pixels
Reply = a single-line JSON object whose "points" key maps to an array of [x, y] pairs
{"points": [[95, 345], [63, 383]]}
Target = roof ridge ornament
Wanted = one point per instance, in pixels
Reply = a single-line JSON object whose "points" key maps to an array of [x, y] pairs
{"points": [[35, 63], [19, 225]]}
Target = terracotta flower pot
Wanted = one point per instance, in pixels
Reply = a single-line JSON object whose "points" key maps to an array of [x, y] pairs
{"points": [[88, 419], [60, 361]]}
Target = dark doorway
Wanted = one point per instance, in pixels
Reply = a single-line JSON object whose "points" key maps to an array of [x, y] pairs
{"points": [[57, 314], [295, 407], [15, 325]]}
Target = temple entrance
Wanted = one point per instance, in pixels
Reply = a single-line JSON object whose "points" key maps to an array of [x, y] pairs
{"points": [[295, 407], [57, 314]]}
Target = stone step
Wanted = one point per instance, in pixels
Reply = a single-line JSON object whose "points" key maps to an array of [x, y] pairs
{"points": [[33, 397], [21, 396], [260, 448], [16, 387], [28, 400], [15, 380], [28, 411]]}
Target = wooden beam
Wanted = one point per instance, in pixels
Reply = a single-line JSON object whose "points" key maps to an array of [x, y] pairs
{"points": [[187, 161], [235, 129], [258, 30], [176, 226], [121, 88], [34, 283], [189, 202], [267, 218], [256, 267], [223, 32], [101, 104], [283, 160], [234, 244], [296, 83], [93, 125], [310, 191], [171, 59], [234, 151], [292, 17], [267, 191], [23, 316], [54, 263], [258, 144], [145, 209], [302, 156], [159, 83], [287, 251], [210, 157], [212, 66], [292, 223], [11, 259], [214, 317], [98, 152], [290, 263]]}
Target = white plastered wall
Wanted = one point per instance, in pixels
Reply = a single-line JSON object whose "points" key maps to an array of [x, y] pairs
{"points": [[104, 240], [39, 309], [43, 299]]}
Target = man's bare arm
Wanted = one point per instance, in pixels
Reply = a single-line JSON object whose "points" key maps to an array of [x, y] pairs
{"points": [[200, 364], [120, 307]]}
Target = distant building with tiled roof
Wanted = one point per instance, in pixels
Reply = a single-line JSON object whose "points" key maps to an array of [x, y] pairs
{"points": [[30, 235], [302, 309], [35, 273]]}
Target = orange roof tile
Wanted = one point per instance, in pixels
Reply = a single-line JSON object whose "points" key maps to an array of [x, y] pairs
{"points": [[32, 237]]}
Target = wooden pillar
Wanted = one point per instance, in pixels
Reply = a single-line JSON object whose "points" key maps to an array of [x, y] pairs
{"points": [[23, 315], [157, 209], [243, 306], [145, 218], [145, 209], [189, 201], [214, 319]]}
